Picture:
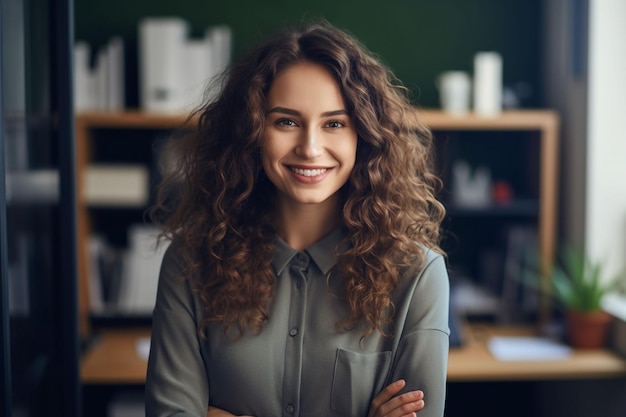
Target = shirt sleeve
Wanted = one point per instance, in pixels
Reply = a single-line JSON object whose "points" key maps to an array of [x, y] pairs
{"points": [[176, 381], [422, 355]]}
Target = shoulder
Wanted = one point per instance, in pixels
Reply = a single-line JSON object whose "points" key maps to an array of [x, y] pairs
{"points": [[427, 278], [432, 265], [424, 294], [173, 259], [174, 286]]}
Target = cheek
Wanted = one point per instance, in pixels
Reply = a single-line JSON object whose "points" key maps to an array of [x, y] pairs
{"points": [[271, 154], [348, 152]]}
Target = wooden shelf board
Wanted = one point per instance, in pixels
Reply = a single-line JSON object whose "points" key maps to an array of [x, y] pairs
{"points": [[131, 119], [507, 120], [434, 119]]}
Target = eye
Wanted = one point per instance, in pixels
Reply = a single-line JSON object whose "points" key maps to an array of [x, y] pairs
{"points": [[286, 123], [335, 124]]}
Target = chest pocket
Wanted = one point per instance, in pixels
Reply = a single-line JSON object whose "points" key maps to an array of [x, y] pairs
{"points": [[357, 379]]}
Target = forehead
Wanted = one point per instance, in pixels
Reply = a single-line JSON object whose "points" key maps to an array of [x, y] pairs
{"points": [[307, 85]]}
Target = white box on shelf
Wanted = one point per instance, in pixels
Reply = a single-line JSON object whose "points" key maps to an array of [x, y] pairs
{"points": [[116, 185]]}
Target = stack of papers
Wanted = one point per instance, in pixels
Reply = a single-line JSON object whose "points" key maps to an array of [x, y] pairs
{"points": [[527, 349]]}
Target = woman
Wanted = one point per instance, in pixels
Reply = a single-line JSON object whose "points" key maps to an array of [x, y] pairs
{"points": [[304, 276]]}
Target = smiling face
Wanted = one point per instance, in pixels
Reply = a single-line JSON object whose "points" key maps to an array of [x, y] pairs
{"points": [[310, 140]]}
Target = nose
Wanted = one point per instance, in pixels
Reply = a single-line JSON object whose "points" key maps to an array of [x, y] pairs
{"points": [[309, 146]]}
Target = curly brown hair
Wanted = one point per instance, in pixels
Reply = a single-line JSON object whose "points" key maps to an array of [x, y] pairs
{"points": [[217, 203]]}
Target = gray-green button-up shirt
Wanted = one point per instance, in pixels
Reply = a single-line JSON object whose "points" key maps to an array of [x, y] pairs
{"points": [[301, 364]]}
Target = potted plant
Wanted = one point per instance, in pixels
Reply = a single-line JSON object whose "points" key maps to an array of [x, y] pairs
{"points": [[577, 284]]}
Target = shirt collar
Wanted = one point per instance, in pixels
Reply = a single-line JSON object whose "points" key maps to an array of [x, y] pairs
{"points": [[323, 252]]}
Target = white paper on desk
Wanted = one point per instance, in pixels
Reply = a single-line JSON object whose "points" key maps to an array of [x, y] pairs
{"points": [[527, 349], [143, 347]]}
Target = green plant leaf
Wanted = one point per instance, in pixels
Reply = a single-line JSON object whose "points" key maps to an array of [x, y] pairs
{"points": [[575, 280]]}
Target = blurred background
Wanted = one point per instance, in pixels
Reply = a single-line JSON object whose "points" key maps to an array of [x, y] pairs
{"points": [[84, 117], [417, 39]]}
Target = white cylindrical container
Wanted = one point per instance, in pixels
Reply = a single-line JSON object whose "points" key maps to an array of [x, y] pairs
{"points": [[487, 83], [161, 61], [454, 91]]}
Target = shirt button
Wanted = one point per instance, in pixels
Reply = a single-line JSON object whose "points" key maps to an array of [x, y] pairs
{"points": [[290, 408], [301, 257], [293, 332]]}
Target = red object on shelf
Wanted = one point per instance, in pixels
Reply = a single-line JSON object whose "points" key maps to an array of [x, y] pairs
{"points": [[501, 192]]}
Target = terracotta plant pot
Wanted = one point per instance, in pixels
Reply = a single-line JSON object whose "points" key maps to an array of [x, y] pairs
{"points": [[587, 329]]}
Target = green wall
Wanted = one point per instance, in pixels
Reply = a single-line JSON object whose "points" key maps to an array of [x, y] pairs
{"points": [[417, 39]]}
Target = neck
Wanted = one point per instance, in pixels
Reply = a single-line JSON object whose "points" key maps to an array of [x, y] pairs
{"points": [[301, 225]]}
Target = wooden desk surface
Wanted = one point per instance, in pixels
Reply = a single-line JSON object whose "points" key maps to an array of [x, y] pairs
{"points": [[113, 359], [474, 362]]}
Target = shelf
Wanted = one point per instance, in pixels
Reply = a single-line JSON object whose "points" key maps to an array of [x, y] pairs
{"points": [[94, 128], [516, 208], [508, 120], [130, 119]]}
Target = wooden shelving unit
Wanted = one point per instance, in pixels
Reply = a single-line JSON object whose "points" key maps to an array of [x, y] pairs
{"points": [[545, 124], [112, 357], [86, 124]]}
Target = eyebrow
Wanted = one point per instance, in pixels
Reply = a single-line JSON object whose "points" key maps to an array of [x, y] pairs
{"points": [[292, 112]]}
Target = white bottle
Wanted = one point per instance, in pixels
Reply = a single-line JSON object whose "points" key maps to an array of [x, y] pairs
{"points": [[487, 83]]}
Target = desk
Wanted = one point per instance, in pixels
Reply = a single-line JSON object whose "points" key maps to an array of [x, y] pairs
{"points": [[474, 362], [113, 359]]}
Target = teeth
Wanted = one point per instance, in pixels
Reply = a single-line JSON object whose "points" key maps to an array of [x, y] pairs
{"points": [[309, 172]]}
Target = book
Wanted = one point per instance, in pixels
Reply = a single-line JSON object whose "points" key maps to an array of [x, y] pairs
{"points": [[162, 63], [101, 86], [115, 86], [83, 78], [117, 185], [141, 270]]}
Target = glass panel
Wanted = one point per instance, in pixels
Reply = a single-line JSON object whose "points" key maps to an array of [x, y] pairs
{"points": [[41, 377]]}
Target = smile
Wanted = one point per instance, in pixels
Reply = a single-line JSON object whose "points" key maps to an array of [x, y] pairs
{"points": [[309, 172]]}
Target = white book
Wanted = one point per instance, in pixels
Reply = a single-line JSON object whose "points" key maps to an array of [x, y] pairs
{"points": [[116, 185], [219, 42], [141, 269], [196, 72], [96, 300], [115, 74], [101, 75], [83, 78], [161, 62]]}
